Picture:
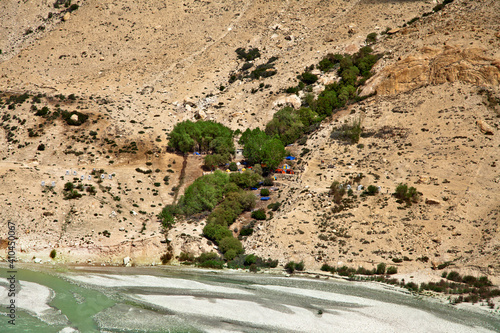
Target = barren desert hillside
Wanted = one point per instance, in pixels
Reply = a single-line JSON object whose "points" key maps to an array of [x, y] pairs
{"points": [[91, 90]]}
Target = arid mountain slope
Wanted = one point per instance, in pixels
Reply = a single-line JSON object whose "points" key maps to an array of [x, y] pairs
{"points": [[138, 68]]}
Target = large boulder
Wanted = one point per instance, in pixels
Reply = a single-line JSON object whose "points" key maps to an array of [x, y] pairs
{"points": [[292, 100], [433, 66]]}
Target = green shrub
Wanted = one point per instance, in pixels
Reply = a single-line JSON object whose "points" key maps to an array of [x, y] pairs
{"points": [[337, 191], [42, 112], [308, 78], [264, 192], [405, 193], [231, 247], [210, 260], [292, 266], [53, 254], [189, 257], [246, 231], [259, 214], [371, 38], [372, 190], [204, 193], [392, 270], [274, 206], [216, 232], [249, 55], [233, 166], [381, 268]]}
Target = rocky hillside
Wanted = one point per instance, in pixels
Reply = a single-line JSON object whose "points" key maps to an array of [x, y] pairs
{"points": [[92, 90]]}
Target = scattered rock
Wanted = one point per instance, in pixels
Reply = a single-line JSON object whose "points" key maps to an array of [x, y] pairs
{"points": [[126, 261], [431, 201], [74, 118], [292, 100], [484, 127], [393, 31], [66, 17]]}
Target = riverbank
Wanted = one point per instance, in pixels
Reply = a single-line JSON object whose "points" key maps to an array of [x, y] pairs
{"points": [[236, 301]]}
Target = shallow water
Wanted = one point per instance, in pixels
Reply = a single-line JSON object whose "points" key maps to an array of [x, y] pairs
{"points": [[104, 299]]}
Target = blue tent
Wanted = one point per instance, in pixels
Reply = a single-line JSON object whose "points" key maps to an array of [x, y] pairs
{"points": [[264, 198], [290, 158], [254, 188], [196, 153]]}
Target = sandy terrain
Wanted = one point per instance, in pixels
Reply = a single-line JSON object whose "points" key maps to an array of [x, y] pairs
{"points": [[138, 69]]}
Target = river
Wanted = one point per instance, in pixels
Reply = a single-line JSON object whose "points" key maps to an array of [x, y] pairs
{"points": [[172, 299]]}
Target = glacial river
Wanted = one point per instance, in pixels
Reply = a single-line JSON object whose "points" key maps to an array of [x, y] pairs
{"points": [[118, 299]]}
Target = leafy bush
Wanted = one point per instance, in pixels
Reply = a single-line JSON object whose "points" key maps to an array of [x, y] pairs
{"points": [[41, 147], [246, 231], [231, 247], [381, 268], [233, 166], [308, 78], [264, 192], [189, 257], [289, 124], [268, 181], [392, 270], [371, 38], [245, 179], [372, 190], [274, 206], [210, 260], [405, 193], [216, 232], [292, 266], [337, 191], [259, 214], [53, 254], [249, 55]]}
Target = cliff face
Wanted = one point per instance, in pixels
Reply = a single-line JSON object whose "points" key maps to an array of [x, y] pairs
{"points": [[433, 66], [136, 69]]}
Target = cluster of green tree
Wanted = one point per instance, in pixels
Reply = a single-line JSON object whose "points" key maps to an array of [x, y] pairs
{"points": [[204, 193], [470, 280], [203, 136], [289, 124], [70, 192], [407, 194], [252, 262], [262, 148], [353, 70], [209, 260], [217, 229], [468, 292], [349, 271], [221, 194], [292, 266], [259, 214]]}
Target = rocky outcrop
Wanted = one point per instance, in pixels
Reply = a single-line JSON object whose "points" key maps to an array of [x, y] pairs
{"points": [[432, 66]]}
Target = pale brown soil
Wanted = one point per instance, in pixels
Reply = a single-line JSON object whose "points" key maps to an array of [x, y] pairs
{"points": [[139, 68]]}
